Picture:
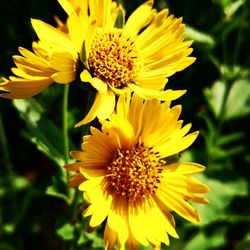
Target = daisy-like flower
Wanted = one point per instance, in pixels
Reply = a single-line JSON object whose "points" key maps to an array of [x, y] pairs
{"points": [[114, 56], [54, 59], [124, 173], [36, 70], [133, 56]]}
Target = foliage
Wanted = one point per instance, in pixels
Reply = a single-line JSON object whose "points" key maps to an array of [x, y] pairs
{"points": [[40, 212]]}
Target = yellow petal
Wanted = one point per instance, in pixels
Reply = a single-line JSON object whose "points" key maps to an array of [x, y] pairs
{"points": [[101, 11], [110, 238], [66, 6], [161, 95], [64, 77], [136, 118], [176, 145], [38, 60], [155, 223], [76, 31], [186, 168], [122, 91], [136, 220], [98, 84], [139, 18], [150, 81], [24, 88], [90, 173], [90, 184], [179, 205], [103, 106], [132, 243], [30, 73], [117, 219], [93, 111], [107, 106], [99, 208], [123, 105], [49, 34], [121, 129], [63, 61]]}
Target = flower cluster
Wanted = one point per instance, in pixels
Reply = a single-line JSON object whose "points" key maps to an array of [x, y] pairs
{"points": [[123, 169]]}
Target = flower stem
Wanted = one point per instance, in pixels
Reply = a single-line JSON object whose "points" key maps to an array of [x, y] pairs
{"points": [[7, 162], [4, 146], [223, 105], [65, 123]]}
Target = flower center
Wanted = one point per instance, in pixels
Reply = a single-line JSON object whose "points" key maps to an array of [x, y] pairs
{"points": [[112, 57], [135, 173]]}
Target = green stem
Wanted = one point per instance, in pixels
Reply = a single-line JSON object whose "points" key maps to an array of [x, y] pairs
{"points": [[10, 180], [240, 34], [65, 123], [6, 158], [228, 85], [223, 105], [61, 178], [4, 146], [74, 204]]}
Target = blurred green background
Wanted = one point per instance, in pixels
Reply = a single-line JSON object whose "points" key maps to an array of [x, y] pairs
{"points": [[37, 212]]}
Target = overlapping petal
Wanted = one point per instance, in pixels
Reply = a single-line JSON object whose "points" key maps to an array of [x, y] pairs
{"points": [[138, 136], [159, 49], [137, 57]]}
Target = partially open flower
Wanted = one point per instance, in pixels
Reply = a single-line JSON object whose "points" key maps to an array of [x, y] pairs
{"points": [[36, 70], [126, 178]]}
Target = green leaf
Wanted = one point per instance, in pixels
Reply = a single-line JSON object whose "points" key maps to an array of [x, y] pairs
{"points": [[8, 228], [66, 232], [83, 56], [204, 242], [238, 101], [51, 190], [40, 130], [47, 137], [82, 239], [220, 196], [214, 97], [120, 20], [231, 9], [97, 240], [199, 36], [228, 139], [224, 3]]}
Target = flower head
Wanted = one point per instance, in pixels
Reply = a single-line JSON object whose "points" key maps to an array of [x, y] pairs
{"points": [[55, 57], [133, 56], [114, 56], [55, 60], [124, 173]]}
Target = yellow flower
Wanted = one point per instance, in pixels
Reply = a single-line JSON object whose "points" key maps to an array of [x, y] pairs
{"points": [[52, 61], [55, 58], [126, 177], [113, 56], [136, 56]]}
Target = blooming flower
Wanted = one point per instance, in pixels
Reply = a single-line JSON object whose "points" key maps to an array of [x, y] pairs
{"points": [[113, 56], [136, 56], [124, 173]]}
